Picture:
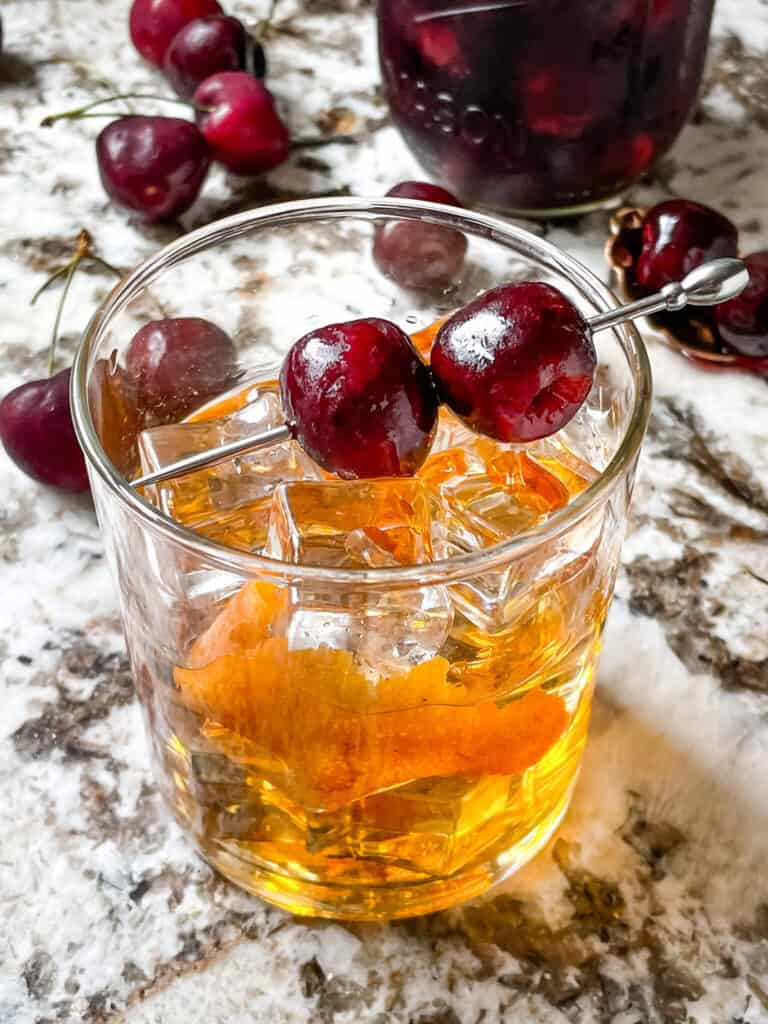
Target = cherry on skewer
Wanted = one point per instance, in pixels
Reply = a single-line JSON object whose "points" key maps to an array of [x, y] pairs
{"points": [[361, 401], [517, 363], [361, 420]]}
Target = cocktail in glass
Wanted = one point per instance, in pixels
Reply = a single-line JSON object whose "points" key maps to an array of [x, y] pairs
{"points": [[367, 698]]}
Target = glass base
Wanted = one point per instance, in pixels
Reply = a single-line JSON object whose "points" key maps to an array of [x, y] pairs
{"points": [[387, 902], [612, 202]]}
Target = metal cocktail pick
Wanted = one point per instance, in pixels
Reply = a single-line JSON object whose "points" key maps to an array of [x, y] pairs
{"points": [[707, 285]]}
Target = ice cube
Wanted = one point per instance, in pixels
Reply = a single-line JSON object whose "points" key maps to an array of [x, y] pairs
{"points": [[351, 524], [215, 779], [451, 432], [482, 597], [230, 502], [275, 828], [499, 484], [360, 525], [314, 622], [486, 493], [593, 431], [556, 456], [430, 826]]}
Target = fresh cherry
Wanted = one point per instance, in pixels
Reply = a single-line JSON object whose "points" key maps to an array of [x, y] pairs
{"points": [[414, 253], [515, 364], [177, 364], [743, 322], [240, 123], [37, 433], [35, 422], [678, 235], [208, 45], [154, 23], [154, 166], [360, 400]]}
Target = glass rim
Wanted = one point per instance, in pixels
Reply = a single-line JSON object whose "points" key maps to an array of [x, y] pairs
{"points": [[301, 211]]}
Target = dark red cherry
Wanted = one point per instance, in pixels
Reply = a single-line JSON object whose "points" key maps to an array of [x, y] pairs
{"points": [[439, 46], [179, 363], [154, 166], [416, 254], [207, 45], [743, 322], [678, 235], [664, 13], [424, 190], [515, 364], [241, 126], [154, 23], [37, 432], [361, 401], [563, 100]]}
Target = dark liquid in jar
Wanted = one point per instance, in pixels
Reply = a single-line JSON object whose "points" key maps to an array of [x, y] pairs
{"points": [[539, 104]]}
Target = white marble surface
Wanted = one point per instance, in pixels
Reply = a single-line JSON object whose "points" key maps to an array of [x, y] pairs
{"points": [[105, 912]]}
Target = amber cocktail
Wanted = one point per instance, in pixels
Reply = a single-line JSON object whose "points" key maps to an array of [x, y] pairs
{"points": [[366, 698]]}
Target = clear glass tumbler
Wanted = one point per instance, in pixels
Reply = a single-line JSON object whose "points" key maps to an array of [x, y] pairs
{"points": [[359, 742], [541, 106]]}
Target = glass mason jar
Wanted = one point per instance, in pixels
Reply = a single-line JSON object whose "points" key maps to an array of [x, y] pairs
{"points": [[541, 106], [360, 743]]}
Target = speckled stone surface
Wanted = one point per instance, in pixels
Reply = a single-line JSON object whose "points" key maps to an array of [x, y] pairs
{"points": [[652, 903]]}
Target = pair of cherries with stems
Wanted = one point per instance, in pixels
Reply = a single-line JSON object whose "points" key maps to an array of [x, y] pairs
{"points": [[190, 40], [155, 166], [516, 364]]}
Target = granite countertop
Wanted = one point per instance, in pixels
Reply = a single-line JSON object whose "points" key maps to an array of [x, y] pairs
{"points": [[659, 911]]}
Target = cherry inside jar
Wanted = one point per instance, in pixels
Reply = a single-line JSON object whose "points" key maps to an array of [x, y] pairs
{"points": [[541, 105]]}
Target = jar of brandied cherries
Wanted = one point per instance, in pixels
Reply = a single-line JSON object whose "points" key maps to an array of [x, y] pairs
{"points": [[541, 106]]}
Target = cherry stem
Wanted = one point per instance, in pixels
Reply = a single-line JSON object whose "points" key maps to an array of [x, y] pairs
{"points": [[82, 112], [83, 251], [47, 284], [60, 309]]}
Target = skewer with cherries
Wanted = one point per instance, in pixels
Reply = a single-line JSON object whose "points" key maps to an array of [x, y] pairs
{"points": [[516, 364]]}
